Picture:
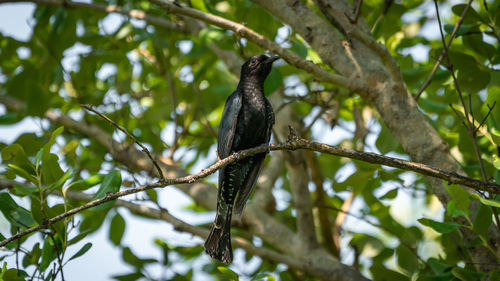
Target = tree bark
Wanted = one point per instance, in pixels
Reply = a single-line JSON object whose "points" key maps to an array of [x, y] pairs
{"points": [[383, 88]]}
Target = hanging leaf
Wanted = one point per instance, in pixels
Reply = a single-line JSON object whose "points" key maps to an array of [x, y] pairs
{"points": [[441, 227], [82, 251], [116, 229], [228, 273]]}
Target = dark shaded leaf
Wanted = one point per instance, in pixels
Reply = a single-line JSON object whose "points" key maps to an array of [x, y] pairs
{"points": [[441, 227], [116, 229]]}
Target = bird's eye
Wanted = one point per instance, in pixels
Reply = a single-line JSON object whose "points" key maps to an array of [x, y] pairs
{"points": [[253, 62]]}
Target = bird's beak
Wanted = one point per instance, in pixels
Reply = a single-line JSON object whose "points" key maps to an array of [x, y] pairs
{"points": [[273, 59]]}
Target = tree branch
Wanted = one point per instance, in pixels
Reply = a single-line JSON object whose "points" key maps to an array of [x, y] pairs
{"points": [[133, 13], [243, 31], [325, 227]]}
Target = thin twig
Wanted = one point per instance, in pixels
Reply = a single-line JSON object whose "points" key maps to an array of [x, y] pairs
{"points": [[59, 259], [470, 124], [447, 46], [468, 116], [144, 149], [487, 115], [355, 12]]}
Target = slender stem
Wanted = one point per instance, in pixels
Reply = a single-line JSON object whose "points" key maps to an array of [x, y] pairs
{"points": [[144, 149], [450, 40]]}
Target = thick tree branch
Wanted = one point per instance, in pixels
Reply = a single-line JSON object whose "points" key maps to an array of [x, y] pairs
{"points": [[298, 177], [341, 21], [325, 226], [263, 196]]}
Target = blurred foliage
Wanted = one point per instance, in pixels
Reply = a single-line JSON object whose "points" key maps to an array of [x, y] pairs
{"points": [[168, 89]]}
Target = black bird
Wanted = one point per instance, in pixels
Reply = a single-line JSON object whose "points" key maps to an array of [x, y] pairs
{"points": [[246, 122]]}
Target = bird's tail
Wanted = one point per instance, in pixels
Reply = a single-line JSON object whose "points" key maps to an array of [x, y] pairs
{"points": [[218, 244]]}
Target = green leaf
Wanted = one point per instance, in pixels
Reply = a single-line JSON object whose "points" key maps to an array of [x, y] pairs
{"points": [[441, 227], [14, 153], [111, 183], [299, 49], [164, 248], [52, 140], [493, 203], [483, 220], [407, 259], [14, 213], [495, 275], [85, 184], [35, 254], [51, 171], [48, 254], [386, 142], [381, 272], [391, 194], [130, 258], [59, 183], [9, 118], [79, 237], [31, 143], [471, 16], [453, 211], [10, 274], [495, 135], [199, 5], [82, 251], [228, 273], [152, 195], [116, 229], [133, 260], [464, 28], [438, 266], [496, 161], [466, 275], [129, 277], [38, 158], [460, 196], [23, 173]]}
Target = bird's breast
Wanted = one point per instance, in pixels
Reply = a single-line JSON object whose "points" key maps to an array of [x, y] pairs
{"points": [[251, 125]]}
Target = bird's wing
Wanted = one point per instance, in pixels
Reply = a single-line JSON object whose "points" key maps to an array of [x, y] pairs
{"points": [[254, 164], [270, 119], [228, 122]]}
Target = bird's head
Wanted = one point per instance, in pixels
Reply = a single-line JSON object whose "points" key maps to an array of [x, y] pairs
{"points": [[258, 67]]}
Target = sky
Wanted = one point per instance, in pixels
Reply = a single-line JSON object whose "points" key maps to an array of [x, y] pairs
{"points": [[104, 259]]}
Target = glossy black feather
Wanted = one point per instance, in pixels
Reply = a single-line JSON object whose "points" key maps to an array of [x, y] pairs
{"points": [[246, 122]]}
